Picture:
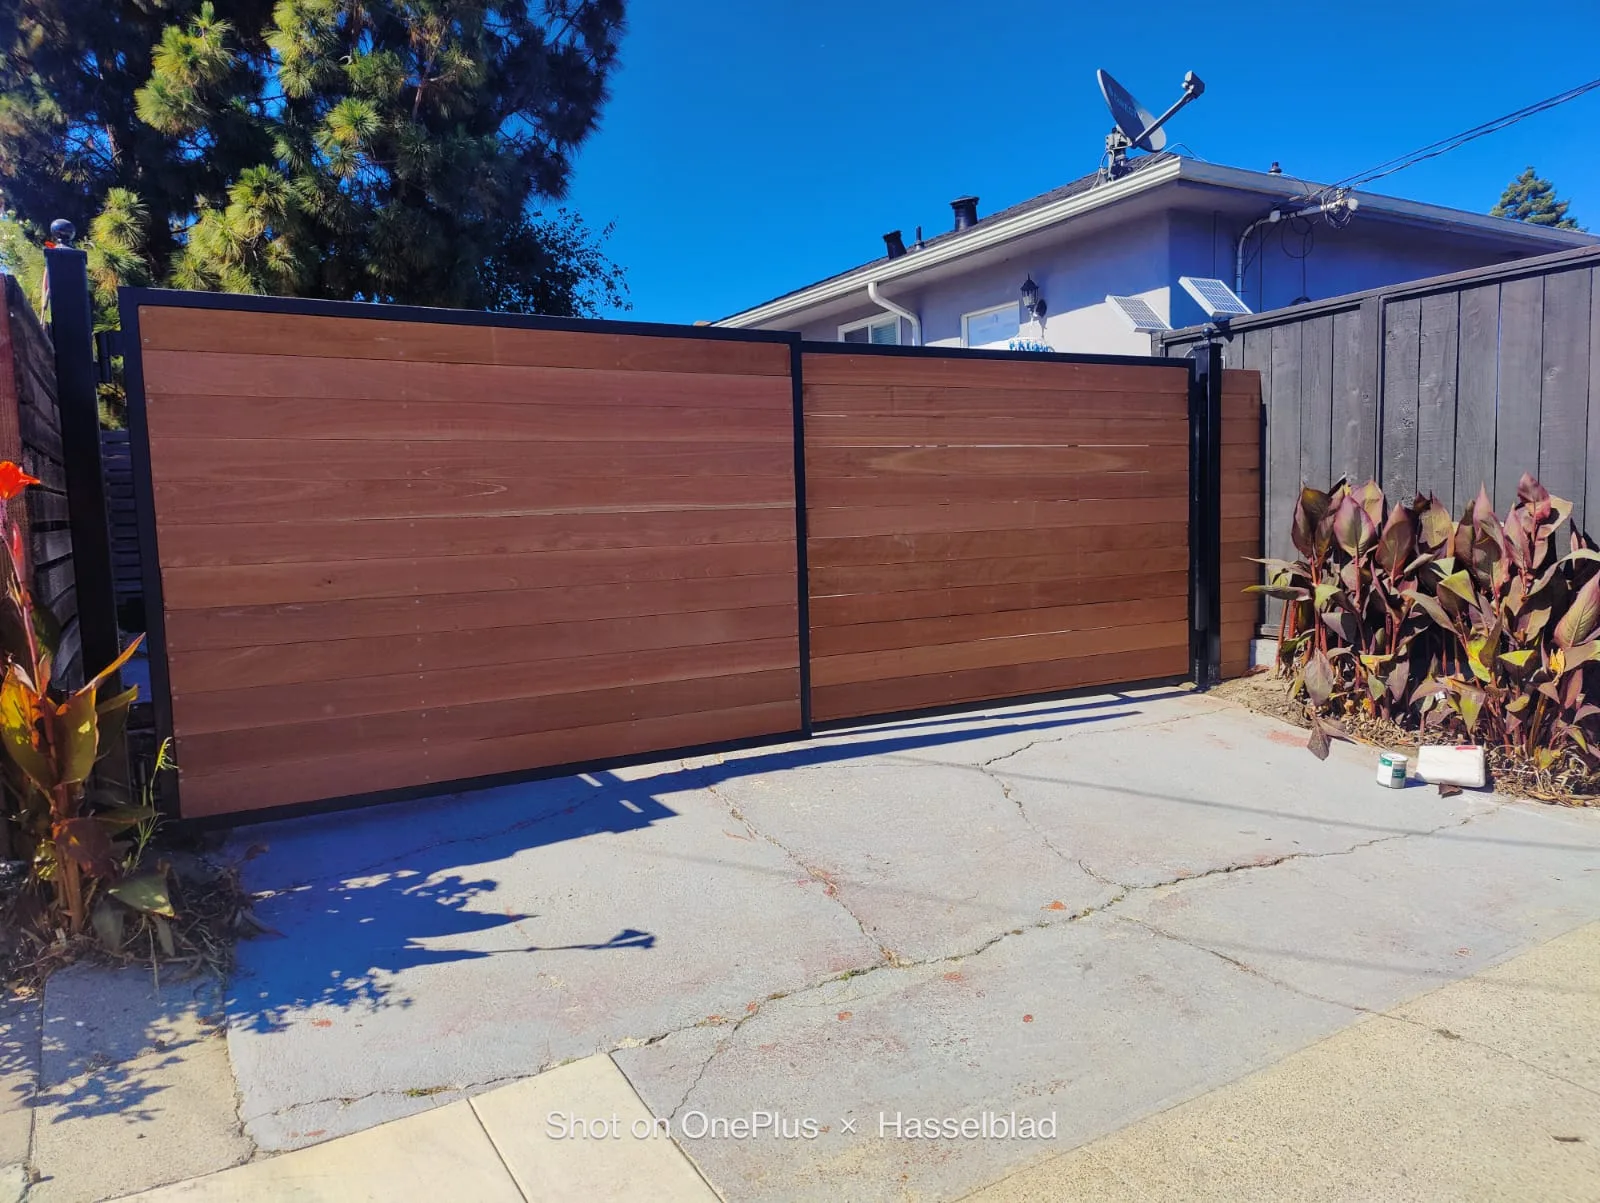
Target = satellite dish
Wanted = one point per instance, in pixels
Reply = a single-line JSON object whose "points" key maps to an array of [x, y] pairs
{"points": [[1135, 128], [1132, 118]]}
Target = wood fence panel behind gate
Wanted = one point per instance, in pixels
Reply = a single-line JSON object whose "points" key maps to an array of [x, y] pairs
{"points": [[981, 527], [395, 553]]}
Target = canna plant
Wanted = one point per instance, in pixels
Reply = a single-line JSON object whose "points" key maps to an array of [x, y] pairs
{"points": [[53, 738], [1483, 629]]}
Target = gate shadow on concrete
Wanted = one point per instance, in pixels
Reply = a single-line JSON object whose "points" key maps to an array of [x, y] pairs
{"points": [[355, 898]]}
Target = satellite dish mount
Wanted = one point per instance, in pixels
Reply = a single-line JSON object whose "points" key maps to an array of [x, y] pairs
{"points": [[1135, 127]]}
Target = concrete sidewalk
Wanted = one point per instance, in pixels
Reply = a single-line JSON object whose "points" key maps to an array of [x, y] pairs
{"points": [[1485, 1089]]}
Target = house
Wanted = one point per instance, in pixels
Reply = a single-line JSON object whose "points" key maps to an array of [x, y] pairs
{"points": [[1166, 216]]}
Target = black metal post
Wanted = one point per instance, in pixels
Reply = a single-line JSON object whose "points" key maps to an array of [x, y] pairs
{"points": [[1205, 513], [72, 332]]}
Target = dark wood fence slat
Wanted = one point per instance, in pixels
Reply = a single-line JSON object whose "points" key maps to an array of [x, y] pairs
{"points": [[1564, 386], [1397, 454], [1436, 396], [1477, 392], [1350, 419], [1588, 514], [1256, 355], [1521, 363], [1316, 402]]}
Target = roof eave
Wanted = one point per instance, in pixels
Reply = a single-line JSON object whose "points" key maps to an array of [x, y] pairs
{"points": [[984, 235], [1391, 206], [994, 233]]}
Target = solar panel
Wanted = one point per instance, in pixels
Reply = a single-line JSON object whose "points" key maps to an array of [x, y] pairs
{"points": [[1213, 296], [1145, 320]]}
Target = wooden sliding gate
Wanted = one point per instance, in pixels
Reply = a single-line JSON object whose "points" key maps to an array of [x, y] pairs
{"points": [[982, 528], [391, 551], [386, 549]]}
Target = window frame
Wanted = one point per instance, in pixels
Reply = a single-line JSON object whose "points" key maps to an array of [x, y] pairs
{"points": [[878, 319], [1014, 306]]}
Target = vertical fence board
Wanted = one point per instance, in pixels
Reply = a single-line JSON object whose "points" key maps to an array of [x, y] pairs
{"points": [[1477, 392], [1256, 356], [1316, 402], [1436, 396], [1521, 356], [1585, 520], [1564, 386], [1352, 413], [1397, 454]]}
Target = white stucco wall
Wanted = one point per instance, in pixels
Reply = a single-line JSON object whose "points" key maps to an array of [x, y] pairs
{"points": [[1073, 278]]}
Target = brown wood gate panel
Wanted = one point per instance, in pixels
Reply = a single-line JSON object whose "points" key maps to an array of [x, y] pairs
{"points": [[399, 552], [986, 528], [1241, 516]]}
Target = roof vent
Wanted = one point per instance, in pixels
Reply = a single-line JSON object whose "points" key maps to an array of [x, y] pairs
{"points": [[918, 244], [1274, 169], [895, 245], [965, 209]]}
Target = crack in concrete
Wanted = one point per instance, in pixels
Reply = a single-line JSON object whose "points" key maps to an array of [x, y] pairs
{"points": [[830, 887], [410, 1092], [1261, 975], [1100, 908]]}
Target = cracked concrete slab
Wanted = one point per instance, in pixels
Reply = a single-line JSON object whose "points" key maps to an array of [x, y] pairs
{"points": [[20, 1050], [963, 867], [1093, 1022], [444, 966], [1391, 919], [1213, 793], [870, 920], [1465, 1093], [135, 1086]]}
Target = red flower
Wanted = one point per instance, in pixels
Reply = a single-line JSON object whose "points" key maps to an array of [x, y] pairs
{"points": [[13, 480]]}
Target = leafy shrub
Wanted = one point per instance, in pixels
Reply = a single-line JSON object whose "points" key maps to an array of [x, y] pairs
{"points": [[1480, 628], [53, 738]]}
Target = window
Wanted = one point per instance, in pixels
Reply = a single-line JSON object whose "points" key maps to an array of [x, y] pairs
{"points": [[882, 331], [991, 327]]}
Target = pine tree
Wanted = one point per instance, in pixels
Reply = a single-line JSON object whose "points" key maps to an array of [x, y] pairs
{"points": [[1533, 200], [389, 150]]}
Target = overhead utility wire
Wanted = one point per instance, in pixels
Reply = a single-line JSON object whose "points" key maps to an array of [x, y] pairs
{"points": [[1444, 145]]}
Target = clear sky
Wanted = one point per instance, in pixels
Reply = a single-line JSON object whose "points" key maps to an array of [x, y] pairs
{"points": [[754, 146]]}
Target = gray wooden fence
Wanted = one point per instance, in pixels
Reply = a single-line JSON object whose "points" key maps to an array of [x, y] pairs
{"points": [[1441, 386], [30, 434]]}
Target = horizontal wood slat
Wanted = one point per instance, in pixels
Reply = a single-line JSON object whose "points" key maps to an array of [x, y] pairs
{"points": [[528, 388], [400, 553], [983, 529], [359, 771], [992, 375], [467, 420], [832, 702], [173, 328], [308, 622]]}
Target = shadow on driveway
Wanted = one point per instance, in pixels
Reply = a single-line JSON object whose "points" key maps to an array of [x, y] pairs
{"points": [[366, 895]]}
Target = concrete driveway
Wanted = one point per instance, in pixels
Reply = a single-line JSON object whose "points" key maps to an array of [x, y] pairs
{"points": [[1088, 910]]}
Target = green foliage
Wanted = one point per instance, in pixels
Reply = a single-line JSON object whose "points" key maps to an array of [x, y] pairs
{"points": [[1533, 200], [391, 150], [1480, 628]]}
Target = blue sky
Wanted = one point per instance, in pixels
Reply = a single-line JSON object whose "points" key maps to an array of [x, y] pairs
{"points": [[753, 146]]}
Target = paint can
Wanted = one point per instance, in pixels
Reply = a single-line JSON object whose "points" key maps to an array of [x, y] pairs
{"points": [[1392, 770]]}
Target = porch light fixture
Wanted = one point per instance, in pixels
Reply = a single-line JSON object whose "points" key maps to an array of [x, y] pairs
{"points": [[1031, 300]]}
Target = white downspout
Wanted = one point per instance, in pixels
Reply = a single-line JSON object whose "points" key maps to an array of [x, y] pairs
{"points": [[898, 310]]}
